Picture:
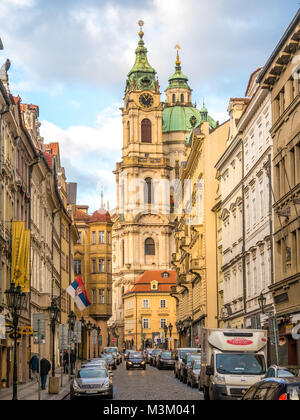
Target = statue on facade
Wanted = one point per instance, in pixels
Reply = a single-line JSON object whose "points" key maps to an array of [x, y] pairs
{"points": [[4, 69]]}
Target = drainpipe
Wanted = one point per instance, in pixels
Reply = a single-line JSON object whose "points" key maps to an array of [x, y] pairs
{"points": [[3, 111]]}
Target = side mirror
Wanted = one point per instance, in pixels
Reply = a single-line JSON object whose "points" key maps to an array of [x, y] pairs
{"points": [[209, 371]]}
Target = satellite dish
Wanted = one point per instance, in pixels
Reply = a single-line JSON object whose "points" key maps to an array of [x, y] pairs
{"points": [[1, 45]]}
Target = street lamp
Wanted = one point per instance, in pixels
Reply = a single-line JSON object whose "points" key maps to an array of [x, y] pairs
{"points": [[262, 302], [98, 339], [72, 320], [94, 336], [170, 332], [190, 323], [83, 322], [15, 300], [54, 312], [89, 327], [166, 333]]}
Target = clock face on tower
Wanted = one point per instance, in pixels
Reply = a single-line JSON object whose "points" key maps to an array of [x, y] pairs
{"points": [[146, 100]]}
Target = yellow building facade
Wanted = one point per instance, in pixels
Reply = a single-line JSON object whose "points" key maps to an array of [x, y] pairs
{"points": [[93, 261], [148, 307]]}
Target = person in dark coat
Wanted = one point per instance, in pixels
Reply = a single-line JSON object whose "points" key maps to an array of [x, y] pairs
{"points": [[34, 366], [45, 367], [66, 362], [72, 360]]}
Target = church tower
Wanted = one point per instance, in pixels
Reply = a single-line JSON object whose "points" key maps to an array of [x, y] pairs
{"points": [[142, 229]]}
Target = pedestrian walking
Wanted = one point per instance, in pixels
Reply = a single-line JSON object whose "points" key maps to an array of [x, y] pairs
{"points": [[66, 361], [34, 366], [45, 367], [72, 360]]}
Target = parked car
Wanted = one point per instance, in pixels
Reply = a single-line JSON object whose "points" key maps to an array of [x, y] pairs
{"points": [[126, 353], [136, 360], [193, 372], [153, 355], [115, 350], [275, 389], [166, 360], [283, 371], [186, 362], [91, 383], [180, 353], [110, 360], [95, 364]]}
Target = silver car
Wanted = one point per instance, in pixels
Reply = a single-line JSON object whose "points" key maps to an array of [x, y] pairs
{"points": [[193, 373], [90, 383], [180, 353], [102, 363], [115, 351]]}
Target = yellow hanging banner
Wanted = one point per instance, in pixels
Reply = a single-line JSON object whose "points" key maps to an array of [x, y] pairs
{"points": [[17, 269]]}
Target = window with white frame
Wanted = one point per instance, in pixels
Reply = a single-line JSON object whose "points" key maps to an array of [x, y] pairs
{"points": [[94, 238], [145, 303], [101, 296], [146, 323], [101, 237], [163, 303]]}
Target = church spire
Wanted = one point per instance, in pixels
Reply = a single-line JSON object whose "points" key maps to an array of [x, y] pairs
{"points": [[142, 75], [178, 80]]}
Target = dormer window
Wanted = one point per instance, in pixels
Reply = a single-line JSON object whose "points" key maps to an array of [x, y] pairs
{"points": [[165, 275], [154, 285]]}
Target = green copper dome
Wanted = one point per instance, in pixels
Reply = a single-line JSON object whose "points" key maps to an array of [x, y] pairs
{"points": [[184, 118], [142, 75]]}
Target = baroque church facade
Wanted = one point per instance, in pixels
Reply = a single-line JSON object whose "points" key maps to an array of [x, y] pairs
{"points": [[155, 135]]}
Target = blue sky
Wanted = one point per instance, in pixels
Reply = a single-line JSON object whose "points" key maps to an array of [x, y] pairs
{"points": [[71, 58]]}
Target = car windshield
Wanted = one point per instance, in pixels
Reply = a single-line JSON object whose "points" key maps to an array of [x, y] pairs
{"points": [[294, 392], [241, 364], [136, 355], [156, 352], [110, 350], [182, 353], [287, 372], [167, 355], [92, 373], [192, 357]]}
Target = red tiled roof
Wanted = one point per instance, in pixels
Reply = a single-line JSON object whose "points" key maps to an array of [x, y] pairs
{"points": [[53, 148], [101, 216], [143, 284], [49, 159], [81, 216]]}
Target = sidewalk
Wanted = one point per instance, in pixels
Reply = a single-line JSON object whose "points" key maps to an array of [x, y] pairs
{"points": [[29, 391]]}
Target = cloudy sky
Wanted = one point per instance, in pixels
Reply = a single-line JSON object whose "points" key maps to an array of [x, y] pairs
{"points": [[71, 58]]}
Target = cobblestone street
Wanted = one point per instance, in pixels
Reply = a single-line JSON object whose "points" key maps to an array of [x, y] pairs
{"points": [[151, 384]]}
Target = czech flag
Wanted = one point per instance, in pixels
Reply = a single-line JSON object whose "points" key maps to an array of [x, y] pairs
{"points": [[77, 291]]}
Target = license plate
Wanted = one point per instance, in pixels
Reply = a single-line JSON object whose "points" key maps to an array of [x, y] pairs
{"points": [[136, 365], [91, 391]]}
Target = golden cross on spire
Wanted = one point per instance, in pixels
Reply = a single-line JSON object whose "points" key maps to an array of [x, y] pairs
{"points": [[177, 47], [141, 24]]}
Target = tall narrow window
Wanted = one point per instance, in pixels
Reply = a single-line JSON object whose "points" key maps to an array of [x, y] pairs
{"points": [[77, 267], [182, 98], [174, 99], [101, 296], [146, 131], [123, 252], [128, 131], [101, 237], [101, 265], [148, 191], [149, 247]]}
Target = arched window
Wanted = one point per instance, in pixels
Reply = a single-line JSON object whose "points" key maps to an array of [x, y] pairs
{"points": [[148, 191], [146, 131], [128, 131], [123, 252], [149, 247], [174, 98], [182, 98]]}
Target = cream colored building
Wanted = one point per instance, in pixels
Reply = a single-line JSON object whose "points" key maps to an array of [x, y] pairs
{"points": [[195, 258]]}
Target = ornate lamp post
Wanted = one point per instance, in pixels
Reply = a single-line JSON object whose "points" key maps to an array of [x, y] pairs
{"points": [[72, 320], [170, 332], [190, 324], [83, 322], [16, 300], [89, 327], [98, 338], [54, 312], [262, 302], [94, 335], [166, 333]]}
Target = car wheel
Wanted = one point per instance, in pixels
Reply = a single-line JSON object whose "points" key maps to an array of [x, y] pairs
{"points": [[184, 380], [144, 367]]}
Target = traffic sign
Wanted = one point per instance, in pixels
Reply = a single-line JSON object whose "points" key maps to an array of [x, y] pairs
{"points": [[26, 331], [63, 337]]}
